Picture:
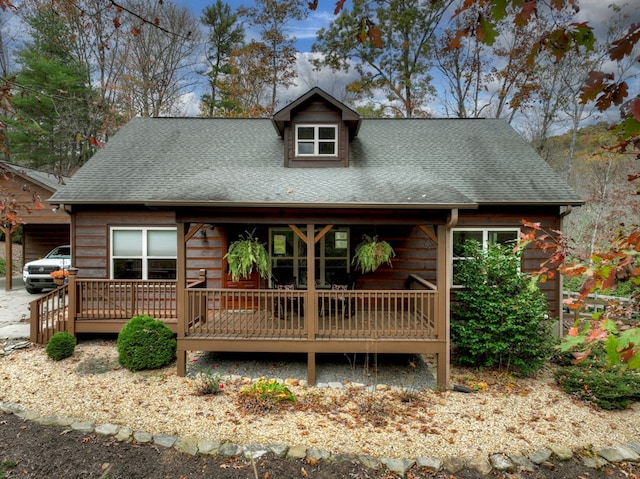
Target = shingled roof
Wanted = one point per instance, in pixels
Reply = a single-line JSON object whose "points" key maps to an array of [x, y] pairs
{"points": [[410, 163]]}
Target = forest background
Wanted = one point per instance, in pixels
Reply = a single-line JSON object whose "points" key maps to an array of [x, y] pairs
{"points": [[74, 71]]}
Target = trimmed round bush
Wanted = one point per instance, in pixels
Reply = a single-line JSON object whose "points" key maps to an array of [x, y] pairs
{"points": [[60, 346], [145, 343]]}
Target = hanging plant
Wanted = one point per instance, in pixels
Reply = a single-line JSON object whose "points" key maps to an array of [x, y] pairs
{"points": [[245, 254], [372, 253]]}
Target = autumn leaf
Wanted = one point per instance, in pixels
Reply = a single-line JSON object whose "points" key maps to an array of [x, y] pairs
{"points": [[116, 22], [313, 6], [339, 6]]}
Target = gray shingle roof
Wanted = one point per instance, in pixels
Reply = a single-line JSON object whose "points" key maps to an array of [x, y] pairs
{"points": [[393, 162]]}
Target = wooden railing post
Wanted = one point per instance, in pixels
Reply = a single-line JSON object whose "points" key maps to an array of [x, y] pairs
{"points": [[72, 309], [35, 326]]}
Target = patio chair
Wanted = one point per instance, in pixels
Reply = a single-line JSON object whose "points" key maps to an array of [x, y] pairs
{"points": [[284, 281], [340, 303]]}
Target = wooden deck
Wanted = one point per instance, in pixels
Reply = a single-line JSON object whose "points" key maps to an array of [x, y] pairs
{"points": [[300, 321]]}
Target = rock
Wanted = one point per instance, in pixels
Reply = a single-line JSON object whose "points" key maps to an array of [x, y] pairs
{"points": [[318, 454], [594, 462], [336, 385], [370, 462], [635, 446], [501, 462], [541, 456], [142, 437], [481, 464], [430, 463], [206, 446], [628, 454], [124, 434], [611, 454], [230, 450], [297, 452], [107, 430], [255, 450], [400, 466], [279, 450], [523, 463], [188, 445], [85, 427], [563, 453], [165, 440], [47, 420], [27, 415], [454, 464]]}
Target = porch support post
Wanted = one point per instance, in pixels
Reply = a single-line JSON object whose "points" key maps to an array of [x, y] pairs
{"points": [[181, 298], [311, 304], [444, 304], [72, 299]]}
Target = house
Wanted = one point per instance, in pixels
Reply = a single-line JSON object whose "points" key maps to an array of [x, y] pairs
{"points": [[154, 212], [43, 228]]}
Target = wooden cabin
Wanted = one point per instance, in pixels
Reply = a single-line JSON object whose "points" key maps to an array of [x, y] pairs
{"points": [[153, 213]]}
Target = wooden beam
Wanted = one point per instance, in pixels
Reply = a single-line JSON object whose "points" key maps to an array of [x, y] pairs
{"points": [[321, 234], [181, 296], [192, 231], [298, 233], [429, 231], [8, 256]]}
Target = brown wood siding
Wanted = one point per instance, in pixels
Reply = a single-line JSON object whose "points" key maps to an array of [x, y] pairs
{"points": [[91, 242], [317, 112]]}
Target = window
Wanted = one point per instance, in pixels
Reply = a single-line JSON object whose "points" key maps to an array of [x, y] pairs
{"points": [[143, 253], [316, 140], [482, 236], [289, 255]]}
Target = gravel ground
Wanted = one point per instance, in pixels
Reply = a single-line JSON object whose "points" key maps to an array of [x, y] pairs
{"points": [[505, 415]]}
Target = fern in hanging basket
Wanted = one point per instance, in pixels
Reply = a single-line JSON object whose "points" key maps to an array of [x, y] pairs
{"points": [[245, 254], [371, 254]]}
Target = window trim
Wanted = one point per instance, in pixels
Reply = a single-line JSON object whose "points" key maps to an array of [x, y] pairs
{"points": [[485, 241], [316, 140], [145, 248]]}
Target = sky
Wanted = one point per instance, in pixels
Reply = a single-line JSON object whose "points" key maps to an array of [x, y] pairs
{"points": [[596, 12]]}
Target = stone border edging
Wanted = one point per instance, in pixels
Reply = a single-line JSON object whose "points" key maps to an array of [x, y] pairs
{"points": [[627, 452]]}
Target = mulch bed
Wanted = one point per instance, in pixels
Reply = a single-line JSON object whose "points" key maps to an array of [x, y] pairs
{"points": [[31, 450]]}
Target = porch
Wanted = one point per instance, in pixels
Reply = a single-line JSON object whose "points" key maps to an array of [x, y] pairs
{"points": [[256, 320]]}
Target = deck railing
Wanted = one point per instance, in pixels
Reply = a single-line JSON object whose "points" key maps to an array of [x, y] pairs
{"points": [[124, 299], [272, 314]]}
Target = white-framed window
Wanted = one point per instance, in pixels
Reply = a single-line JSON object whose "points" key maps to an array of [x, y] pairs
{"points": [[316, 140], [289, 255], [143, 253], [483, 236]]}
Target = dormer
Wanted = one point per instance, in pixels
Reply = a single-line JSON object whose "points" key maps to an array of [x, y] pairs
{"points": [[316, 130]]}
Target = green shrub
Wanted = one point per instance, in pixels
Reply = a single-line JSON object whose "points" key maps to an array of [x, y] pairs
{"points": [[60, 346], [594, 380], [145, 343], [609, 388], [500, 317]]}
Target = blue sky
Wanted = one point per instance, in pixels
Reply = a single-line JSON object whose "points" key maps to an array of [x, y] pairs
{"points": [[303, 31]]}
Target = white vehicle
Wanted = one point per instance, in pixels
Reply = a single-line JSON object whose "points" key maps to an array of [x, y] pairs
{"points": [[37, 274]]}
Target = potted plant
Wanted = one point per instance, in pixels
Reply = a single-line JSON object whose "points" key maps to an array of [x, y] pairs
{"points": [[371, 253], [59, 276], [245, 254]]}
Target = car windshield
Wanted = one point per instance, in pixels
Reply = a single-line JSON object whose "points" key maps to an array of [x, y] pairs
{"points": [[60, 252]]}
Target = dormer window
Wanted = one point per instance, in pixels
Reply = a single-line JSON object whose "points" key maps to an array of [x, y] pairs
{"points": [[316, 140]]}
